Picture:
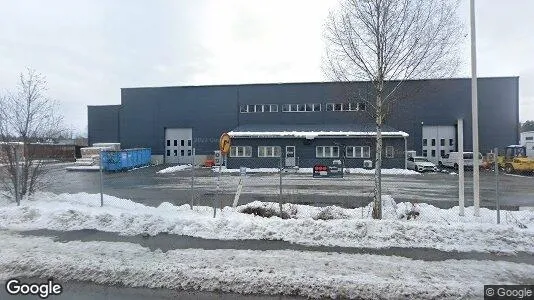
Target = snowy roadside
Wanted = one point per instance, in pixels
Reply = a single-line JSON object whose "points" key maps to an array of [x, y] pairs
{"points": [[434, 228], [174, 169], [274, 272]]}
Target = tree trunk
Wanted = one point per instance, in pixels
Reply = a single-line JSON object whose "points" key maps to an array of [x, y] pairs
{"points": [[377, 200]]}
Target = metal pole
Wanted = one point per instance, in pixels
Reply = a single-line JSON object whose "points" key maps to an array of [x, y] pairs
{"points": [[280, 172], [193, 180], [101, 181], [17, 182], [461, 188], [474, 108], [496, 166], [217, 191], [405, 154]]}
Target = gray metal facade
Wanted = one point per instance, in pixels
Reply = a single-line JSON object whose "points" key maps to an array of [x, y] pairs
{"points": [[144, 113]]}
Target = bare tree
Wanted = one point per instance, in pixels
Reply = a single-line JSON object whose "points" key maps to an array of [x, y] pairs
{"points": [[388, 42], [27, 116]]}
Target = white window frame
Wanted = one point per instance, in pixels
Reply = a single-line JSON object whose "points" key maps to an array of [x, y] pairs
{"points": [[234, 151], [359, 151], [321, 152], [329, 106], [273, 107], [391, 152], [269, 151]]}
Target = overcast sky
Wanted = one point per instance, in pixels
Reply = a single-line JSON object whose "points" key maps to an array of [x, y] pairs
{"points": [[88, 50]]}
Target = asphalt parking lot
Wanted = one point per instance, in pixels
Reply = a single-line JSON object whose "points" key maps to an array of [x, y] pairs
{"points": [[148, 187]]}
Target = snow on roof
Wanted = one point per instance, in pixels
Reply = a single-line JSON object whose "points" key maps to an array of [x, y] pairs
{"points": [[312, 131], [312, 134]]}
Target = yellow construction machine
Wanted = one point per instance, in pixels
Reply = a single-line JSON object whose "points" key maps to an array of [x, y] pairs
{"points": [[514, 160]]}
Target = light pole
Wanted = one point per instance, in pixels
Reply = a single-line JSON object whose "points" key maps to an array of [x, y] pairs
{"points": [[474, 111]]}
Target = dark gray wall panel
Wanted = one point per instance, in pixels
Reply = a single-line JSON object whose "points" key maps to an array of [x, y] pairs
{"points": [[103, 124]]}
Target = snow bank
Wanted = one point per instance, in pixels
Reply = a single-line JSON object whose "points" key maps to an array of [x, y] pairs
{"points": [[310, 171], [174, 169], [434, 228], [275, 272]]}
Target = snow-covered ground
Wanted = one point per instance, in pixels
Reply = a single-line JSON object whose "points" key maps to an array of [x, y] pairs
{"points": [[302, 273], [310, 171], [82, 168], [434, 228], [174, 169]]}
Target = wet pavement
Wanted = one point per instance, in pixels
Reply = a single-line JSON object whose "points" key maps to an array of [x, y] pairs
{"points": [[147, 187], [166, 242]]}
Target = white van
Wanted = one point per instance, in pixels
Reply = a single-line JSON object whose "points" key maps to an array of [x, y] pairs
{"points": [[451, 160]]}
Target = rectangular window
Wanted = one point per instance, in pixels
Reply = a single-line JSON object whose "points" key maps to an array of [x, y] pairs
{"points": [[433, 142], [451, 142], [346, 107], [317, 107], [442, 153], [301, 107], [250, 108], [294, 107], [442, 142], [189, 143], [175, 143], [390, 152], [529, 138], [182, 152], [243, 108], [361, 106], [425, 142], [327, 151], [274, 107], [168, 152], [175, 152], [188, 152], [168, 143], [182, 143], [358, 152], [309, 107], [241, 151], [259, 107], [269, 151], [329, 106], [425, 153], [433, 153], [285, 107], [338, 107]]}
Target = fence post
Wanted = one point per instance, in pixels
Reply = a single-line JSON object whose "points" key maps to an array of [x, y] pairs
{"points": [[217, 191], [496, 167], [280, 172], [193, 180], [17, 181], [101, 180]]}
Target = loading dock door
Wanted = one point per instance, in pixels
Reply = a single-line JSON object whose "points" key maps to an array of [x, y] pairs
{"points": [[290, 156], [178, 145], [438, 141]]}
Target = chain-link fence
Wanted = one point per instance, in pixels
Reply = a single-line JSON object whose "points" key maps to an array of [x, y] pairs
{"points": [[320, 192]]}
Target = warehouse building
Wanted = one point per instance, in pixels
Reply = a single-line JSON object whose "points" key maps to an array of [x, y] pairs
{"points": [[307, 122]]}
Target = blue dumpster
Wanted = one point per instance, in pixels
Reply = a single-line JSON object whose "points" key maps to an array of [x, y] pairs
{"points": [[127, 159]]}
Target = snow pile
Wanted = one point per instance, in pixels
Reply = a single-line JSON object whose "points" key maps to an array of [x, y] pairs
{"points": [[310, 171], [174, 169], [434, 228], [276, 272]]}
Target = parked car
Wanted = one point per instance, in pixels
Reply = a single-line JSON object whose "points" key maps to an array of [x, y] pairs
{"points": [[421, 164], [451, 160]]}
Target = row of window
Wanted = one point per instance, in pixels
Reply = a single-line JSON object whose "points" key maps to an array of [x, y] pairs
{"points": [[320, 151], [182, 152], [433, 153], [182, 143], [442, 142], [308, 107]]}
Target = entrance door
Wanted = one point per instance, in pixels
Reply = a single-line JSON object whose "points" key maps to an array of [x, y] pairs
{"points": [[178, 145], [438, 141], [290, 156]]}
